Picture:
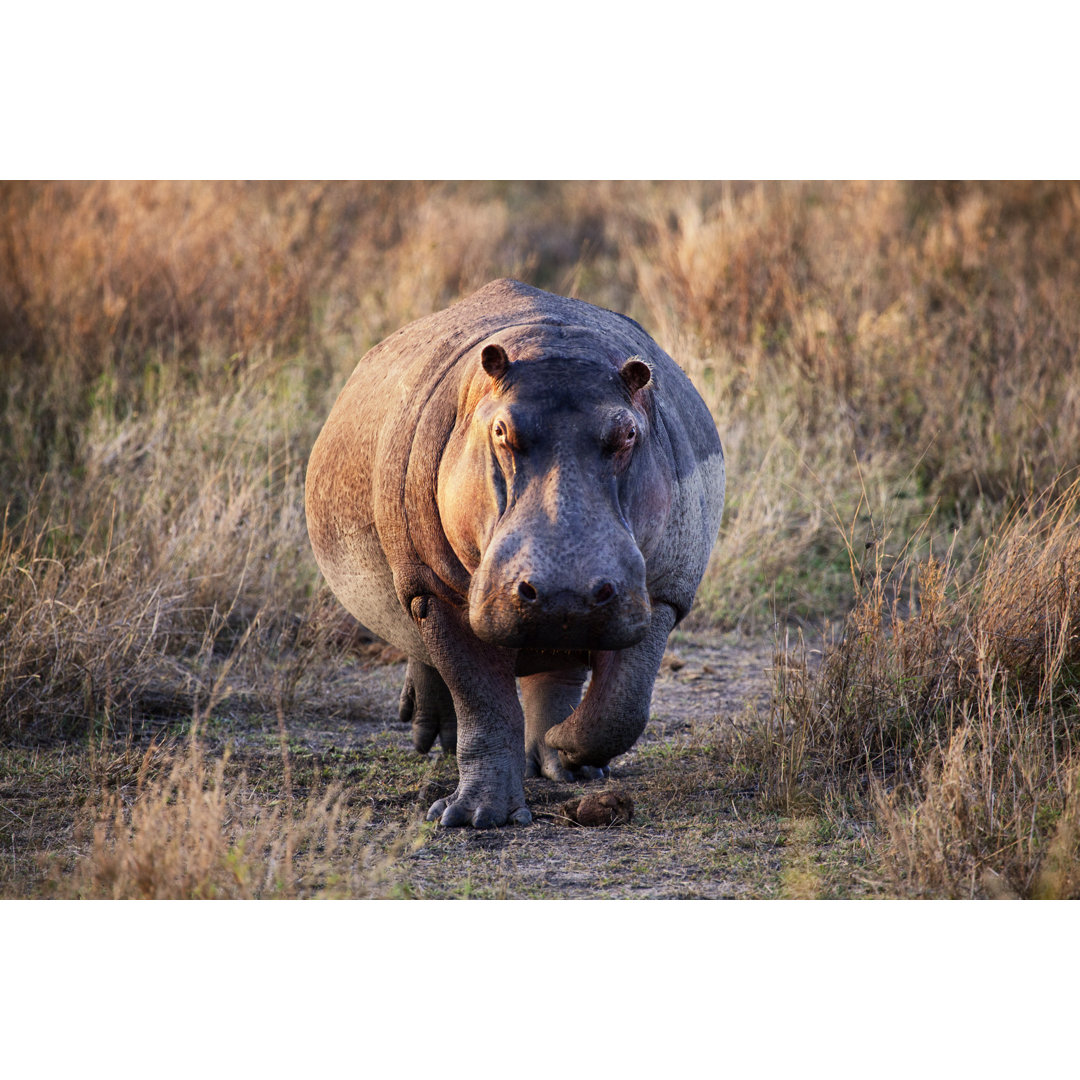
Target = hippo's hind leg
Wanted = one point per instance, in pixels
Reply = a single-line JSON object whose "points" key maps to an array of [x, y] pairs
{"points": [[615, 709], [426, 702], [548, 697]]}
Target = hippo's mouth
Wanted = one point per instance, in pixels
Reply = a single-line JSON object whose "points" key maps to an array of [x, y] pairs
{"points": [[561, 622]]}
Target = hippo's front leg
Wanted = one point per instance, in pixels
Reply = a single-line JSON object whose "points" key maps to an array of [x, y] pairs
{"points": [[615, 708], [490, 722]]}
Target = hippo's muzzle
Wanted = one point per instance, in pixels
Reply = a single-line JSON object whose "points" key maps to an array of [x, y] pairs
{"points": [[527, 610]]}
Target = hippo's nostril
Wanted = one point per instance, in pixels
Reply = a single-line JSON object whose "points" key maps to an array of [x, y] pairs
{"points": [[526, 591], [603, 593]]}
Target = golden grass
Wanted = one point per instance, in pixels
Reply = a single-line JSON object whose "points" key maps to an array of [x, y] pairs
{"points": [[148, 568], [956, 722], [191, 831]]}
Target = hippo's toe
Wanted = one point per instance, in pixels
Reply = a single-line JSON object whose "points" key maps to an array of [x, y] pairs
{"points": [[461, 809], [591, 772], [543, 760]]}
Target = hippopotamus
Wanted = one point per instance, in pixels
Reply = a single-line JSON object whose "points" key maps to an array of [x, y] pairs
{"points": [[521, 488]]}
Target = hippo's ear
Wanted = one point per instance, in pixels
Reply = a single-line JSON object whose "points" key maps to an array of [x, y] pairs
{"points": [[636, 374], [495, 360]]}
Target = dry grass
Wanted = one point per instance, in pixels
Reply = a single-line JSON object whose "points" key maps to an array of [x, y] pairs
{"points": [[955, 723], [192, 831], [899, 358], [925, 332]]}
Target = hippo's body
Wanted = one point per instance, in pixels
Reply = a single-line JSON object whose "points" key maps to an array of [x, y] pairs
{"points": [[521, 486]]}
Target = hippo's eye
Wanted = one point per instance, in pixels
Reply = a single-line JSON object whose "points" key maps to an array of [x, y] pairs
{"points": [[511, 433], [622, 439]]}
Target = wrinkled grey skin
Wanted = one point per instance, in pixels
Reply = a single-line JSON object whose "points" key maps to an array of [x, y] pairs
{"points": [[521, 487]]}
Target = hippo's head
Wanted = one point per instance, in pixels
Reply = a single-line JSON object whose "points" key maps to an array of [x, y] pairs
{"points": [[535, 492]]}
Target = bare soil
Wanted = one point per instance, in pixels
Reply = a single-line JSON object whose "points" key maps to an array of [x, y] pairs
{"points": [[695, 832], [700, 827], [703, 679]]}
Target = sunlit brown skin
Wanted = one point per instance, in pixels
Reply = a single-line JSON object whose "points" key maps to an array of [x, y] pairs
{"points": [[519, 487]]}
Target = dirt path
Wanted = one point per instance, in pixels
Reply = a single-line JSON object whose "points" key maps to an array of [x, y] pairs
{"points": [[701, 678], [687, 838], [701, 827]]}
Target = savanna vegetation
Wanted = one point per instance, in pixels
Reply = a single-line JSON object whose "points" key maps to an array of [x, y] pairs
{"points": [[894, 369]]}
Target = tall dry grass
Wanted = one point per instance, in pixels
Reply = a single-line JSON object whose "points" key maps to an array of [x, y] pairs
{"points": [[193, 830], [915, 341], [129, 578], [952, 717]]}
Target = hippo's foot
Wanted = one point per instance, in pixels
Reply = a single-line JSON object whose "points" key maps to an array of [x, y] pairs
{"points": [[615, 708], [585, 760], [588, 772], [544, 760], [576, 756], [484, 800], [427, 704]]}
